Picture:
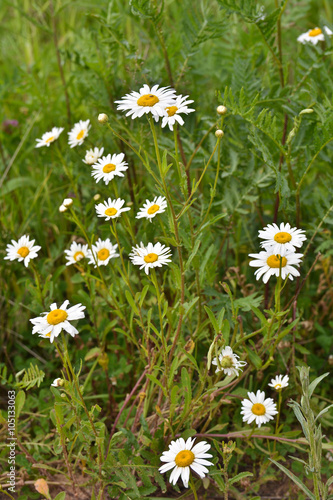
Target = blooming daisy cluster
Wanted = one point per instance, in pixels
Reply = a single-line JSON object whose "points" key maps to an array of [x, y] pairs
{"points": [[76, 136], [279, 255], [159, 102]]}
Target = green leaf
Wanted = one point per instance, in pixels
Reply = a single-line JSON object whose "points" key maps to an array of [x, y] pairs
{"points": [[60, 496], [32, 376], [295, 479], [314, 384], [240, 476], [19, 403]]}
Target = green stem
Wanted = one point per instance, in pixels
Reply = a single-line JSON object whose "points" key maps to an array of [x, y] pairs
{"points": [[193, 488], [278, 418]]}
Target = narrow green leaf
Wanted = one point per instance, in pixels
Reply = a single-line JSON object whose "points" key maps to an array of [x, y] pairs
{"points": [[295, 479]]}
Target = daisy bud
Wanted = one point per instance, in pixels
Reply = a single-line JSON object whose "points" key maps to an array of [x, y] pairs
{"points": [[103, 118], [330, 359], [219, 134], [42, 487], [221, 110], [62, 208], [97, 197], [67, 202]]}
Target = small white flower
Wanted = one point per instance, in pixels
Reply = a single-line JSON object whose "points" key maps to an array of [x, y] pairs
{"points": [[92, 155], [279, 382], [76, 253], [23, 249], [102, 252], [258, 408], [50, 324], [148, 100], [151, 256], [62, 208], [269, 264], [181, 456], [58, 382], [111, 209], [78, 133], [173, 111], [67, 202], [229, 362], [314, 36], [49, 137], [108, 167], [152, 208], [285, 236]]}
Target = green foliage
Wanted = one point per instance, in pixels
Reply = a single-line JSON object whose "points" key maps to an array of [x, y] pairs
{"points": [[31, 377]]}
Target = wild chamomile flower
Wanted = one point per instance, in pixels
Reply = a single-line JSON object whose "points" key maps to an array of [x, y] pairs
{"points": [[258, 408], [78, 133], [229, 362], [150, 256], [58, 382], [152, 208], [49, 137], [102, 252], [108, 167], [50, 324], [92, 155], [152, 100], [23, 249], [314, 36], [279, 382], [269, 263], [181, 456], [76, 253], [111, 209], [173, 111], [281, 237]]}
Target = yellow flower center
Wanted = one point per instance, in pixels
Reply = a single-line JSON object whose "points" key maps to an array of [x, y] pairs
{"points": [[110, 211], [80, 135], [275, 261], [78, 256], [23, 251], [147, 100], [226, 362], [153, 209], [184, 458], [282, 237], [315, 32], [48, 334], [277, 386], [103, 254], [109, 167], [172, 110], [151, 257], [50, 139], [57, 316], [258, 409]]}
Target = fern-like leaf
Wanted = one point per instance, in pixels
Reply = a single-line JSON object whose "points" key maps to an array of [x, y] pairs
{"points": [[32, 376]]}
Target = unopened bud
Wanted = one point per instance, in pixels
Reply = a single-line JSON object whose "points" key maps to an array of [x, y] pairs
{"points": [[219, 133], [222, 110], [62, 208], [306, 111], [67, 202], [330, 359], [103, 118], [97, 197]]}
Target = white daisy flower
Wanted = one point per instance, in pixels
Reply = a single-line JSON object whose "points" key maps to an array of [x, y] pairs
{"points": [[258, 408], [279, 382], [78, 133], [314, 36], [58, 382], [148, 100], [76, 253], [50, 324], [49, 137], [269, 263], [23, 249], [152, 208], [181, 456], [111, 209], [173, 112], [92, 155], [228, 362], [150, 256], [281, 237], [108, 167], [102, 251]]}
